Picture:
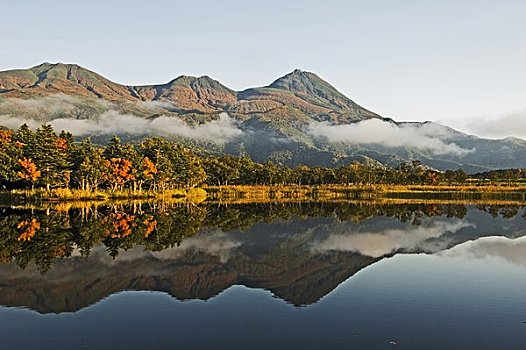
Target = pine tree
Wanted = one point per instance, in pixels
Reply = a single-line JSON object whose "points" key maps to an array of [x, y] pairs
{"points": [[51, 157], [89, 169], [9, 155]]}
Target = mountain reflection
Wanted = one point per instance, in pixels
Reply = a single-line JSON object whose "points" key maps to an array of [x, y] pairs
{"points": [[57, 260]]}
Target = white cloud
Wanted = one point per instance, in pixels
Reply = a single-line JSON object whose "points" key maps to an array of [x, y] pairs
{"points": [[156, 105], [110, 122], [49, 107], [212, 242], [510, 250], [377, 244], [216, 243], [509, 124], [426, 137], [219, 131]]}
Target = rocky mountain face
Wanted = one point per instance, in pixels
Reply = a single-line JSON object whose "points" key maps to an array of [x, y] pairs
{"points": [[276, 122], [304, 92]]}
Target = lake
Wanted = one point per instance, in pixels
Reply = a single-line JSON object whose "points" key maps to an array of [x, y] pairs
{"points": [[350, 275]]}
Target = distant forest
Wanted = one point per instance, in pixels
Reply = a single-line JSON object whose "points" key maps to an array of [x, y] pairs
{"points": [[44, 159]]}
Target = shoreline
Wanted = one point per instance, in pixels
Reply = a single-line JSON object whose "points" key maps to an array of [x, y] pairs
{"points": [[283, 193]]}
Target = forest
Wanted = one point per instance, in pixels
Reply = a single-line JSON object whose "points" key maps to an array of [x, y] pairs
{"points": [[47, 160]]}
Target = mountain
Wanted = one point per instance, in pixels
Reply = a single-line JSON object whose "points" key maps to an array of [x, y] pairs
{"points": [[280, 122], [80, 282], [69, 79], [303, 91]]}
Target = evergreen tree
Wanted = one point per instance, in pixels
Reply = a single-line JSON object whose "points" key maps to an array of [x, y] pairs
{"points": [[51, 157]]}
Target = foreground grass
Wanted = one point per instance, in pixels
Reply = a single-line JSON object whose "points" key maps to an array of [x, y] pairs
{"points": [[64, 195], [294, 193], [368, 192]]}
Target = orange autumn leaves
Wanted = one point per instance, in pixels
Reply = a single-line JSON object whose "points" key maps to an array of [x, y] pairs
{"points": [[119, 225], [149, 226], [121, 171], [28, 170], [6, 136], [61, 144], [122, 225], [28, 229], [149, 168]]}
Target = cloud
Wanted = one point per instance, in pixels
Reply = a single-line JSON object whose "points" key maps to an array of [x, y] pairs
{"points": [[55, 105], [509, 124], [51, 107], [156, 105], [219, 131], [377, 244], [216, 243], [98, 117], [110, 122], [14, 122], [425, 137], [510, 250], [211, 242]]}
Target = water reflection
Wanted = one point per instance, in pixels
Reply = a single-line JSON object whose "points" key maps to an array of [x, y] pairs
{"points": [[64, 260], [509, 250]]}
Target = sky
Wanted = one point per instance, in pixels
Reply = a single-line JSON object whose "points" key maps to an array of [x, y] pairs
{"points": [[457, 62]]}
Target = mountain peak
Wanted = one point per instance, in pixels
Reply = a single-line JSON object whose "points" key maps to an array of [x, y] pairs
{"points": [[303, 82], [314, 89], [202, 82]]}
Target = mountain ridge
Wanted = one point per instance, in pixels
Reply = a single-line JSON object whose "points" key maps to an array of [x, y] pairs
{"points": [[201, 94], [276, 121]]}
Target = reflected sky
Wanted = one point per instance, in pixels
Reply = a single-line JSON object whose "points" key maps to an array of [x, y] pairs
{"points": [[408, 301], [410, 281]]}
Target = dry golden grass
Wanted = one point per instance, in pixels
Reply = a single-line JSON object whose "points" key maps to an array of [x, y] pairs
{"points": [[66, 195], [467, 194], [408, 193]]}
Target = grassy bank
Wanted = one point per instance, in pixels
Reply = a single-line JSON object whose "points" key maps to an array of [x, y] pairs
{"points": [[369, 192], [66, 195], [251, 194]]}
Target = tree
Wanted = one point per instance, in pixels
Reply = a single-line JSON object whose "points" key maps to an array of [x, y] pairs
{"points": [[89, 168], [28, 171], [175, 165], [125, 153], [9, 156], [120, 172], [148, 173], [49, 153]]}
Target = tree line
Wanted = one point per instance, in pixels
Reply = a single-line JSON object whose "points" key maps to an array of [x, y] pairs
{"points": [[45, 159], [41, 236]]}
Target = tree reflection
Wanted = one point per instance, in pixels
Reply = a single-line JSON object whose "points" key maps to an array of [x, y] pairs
{"points": [[42, 235]]}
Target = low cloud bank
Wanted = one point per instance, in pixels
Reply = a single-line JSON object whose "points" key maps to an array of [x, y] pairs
{"points": [[51, 107], [111, 122], [510, 124], [378, 244], [512, 251], [213, 243], [426, 137]]}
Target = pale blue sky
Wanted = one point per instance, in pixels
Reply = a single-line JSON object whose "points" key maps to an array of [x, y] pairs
{"points": [[410, 60]]}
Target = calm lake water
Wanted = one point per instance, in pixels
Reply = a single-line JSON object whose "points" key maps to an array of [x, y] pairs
{"points": [[265, 276]]}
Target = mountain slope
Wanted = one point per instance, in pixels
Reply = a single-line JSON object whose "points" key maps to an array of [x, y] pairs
{"points": [[276, 120], [303, 91], [68, 79]]}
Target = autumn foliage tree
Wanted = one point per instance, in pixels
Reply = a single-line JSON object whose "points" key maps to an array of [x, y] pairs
{"points": [[28, 171], [120, 172]]}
